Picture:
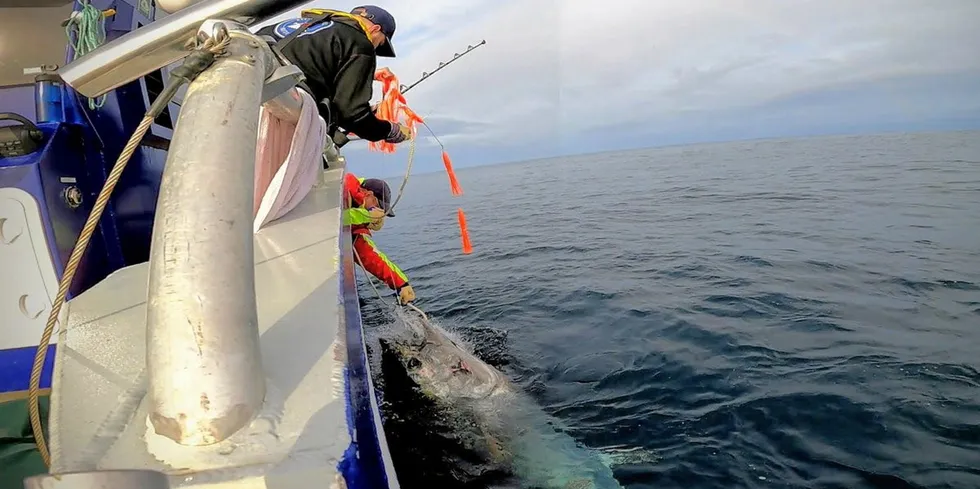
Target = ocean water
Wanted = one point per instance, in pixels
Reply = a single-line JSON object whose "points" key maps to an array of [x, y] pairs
{"points": [[782, 313]]}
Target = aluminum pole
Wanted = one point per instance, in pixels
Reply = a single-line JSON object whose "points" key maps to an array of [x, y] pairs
{"points": [[205, 372]]}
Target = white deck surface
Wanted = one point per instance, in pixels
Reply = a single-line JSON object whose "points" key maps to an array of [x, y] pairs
{"points": [[98, 414]]}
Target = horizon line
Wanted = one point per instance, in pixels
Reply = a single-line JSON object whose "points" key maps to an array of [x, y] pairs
{"points": [[700, 143]]}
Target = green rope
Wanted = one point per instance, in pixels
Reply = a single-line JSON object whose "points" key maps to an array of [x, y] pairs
{"points": [[88, 27]]}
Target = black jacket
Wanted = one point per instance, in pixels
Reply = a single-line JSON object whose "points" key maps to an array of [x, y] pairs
{"points": [[339, 63]]}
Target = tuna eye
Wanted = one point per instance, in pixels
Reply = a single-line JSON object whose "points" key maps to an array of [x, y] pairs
{"points": [[414, 363]]}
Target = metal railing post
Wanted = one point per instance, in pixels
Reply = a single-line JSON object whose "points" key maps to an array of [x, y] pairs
{"points": [[205, 372]]}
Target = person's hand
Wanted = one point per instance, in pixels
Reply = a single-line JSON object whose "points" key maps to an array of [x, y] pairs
{"points": [[399, 133], [406, 294], [377, 218]]}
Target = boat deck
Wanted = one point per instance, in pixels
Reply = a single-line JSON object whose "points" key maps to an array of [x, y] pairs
{"points": [[98, 406]]}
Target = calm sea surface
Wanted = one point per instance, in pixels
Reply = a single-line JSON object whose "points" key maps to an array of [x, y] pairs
{"points": [[797, 313]]}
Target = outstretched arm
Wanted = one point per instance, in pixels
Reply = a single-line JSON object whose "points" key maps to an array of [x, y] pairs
{"points": [[375, 262]]}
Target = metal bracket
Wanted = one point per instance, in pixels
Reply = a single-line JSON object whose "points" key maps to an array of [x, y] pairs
{"points": [[281, 80], [283, 77], [218, 29], [271, 41]]}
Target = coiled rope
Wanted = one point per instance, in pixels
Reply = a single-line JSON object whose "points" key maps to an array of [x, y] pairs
{"points": [[193, 65], [86, 31]]}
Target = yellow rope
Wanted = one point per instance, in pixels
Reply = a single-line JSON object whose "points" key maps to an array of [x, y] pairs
{"points": [[212, 45], [76, 256], [378, 293]]}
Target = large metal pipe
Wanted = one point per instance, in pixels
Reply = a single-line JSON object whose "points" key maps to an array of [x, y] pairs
{"points": [[161, 43], [205, 372]]}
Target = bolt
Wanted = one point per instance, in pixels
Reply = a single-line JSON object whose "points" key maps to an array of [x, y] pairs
{"points": [[253, 43], [249, 59], [73, 197]]}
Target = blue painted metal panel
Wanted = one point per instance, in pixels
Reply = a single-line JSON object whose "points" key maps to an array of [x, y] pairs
{"points": [[47, 175], [81, 146], [15, 375], [363, 465]]}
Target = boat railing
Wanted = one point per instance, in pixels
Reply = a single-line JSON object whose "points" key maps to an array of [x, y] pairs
{"points": [[162, 42], [205, 375]]}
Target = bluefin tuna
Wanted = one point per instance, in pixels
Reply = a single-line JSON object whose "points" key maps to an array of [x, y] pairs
{"points": [[503, 423]]}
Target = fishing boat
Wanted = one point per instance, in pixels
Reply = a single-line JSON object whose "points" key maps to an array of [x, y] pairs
{"points": [[191, 350]]}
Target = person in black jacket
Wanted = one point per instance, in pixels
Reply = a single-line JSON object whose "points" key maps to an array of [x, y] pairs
{"points": [[338, 56]]}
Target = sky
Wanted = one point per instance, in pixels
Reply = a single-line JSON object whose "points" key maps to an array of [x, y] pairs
{"points": [[560, 77]]}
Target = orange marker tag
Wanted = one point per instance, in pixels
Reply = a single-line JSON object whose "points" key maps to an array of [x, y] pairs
{"points": [[453, 182], [465, 235]]}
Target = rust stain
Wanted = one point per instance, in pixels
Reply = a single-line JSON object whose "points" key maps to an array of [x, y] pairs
{"points": [[169, 427]]}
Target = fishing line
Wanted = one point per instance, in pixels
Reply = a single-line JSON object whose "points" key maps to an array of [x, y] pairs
{"points": [[343, 138]]}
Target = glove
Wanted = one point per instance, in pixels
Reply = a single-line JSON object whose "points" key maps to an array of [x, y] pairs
{"points": [[377, 218], [406, 294], [399, 133]]}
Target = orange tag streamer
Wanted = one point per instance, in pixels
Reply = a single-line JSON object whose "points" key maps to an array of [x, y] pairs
{"points": [[467, 246], [453, 183], [392, 108]]}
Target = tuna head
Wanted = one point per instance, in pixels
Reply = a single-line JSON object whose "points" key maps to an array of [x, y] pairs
{"points": [[443, 369]]}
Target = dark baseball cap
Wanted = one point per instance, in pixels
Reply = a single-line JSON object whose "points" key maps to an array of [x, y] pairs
{"points": [[383, 19], [382, 191]]}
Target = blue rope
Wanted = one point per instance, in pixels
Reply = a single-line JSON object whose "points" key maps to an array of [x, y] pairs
{"points": [[88, 27]]}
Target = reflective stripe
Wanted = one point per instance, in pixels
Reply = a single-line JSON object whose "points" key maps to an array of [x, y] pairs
{"points": [[356, 216], [392, 266]]}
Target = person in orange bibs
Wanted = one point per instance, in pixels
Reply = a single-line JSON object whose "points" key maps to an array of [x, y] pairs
{"points": [[367, 204]]}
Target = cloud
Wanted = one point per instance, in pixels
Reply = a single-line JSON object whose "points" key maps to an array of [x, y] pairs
{"points": [[577, 75]]}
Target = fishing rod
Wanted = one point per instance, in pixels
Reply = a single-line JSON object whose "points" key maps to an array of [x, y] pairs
{"points": [[341, 138], [442, 64]]}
